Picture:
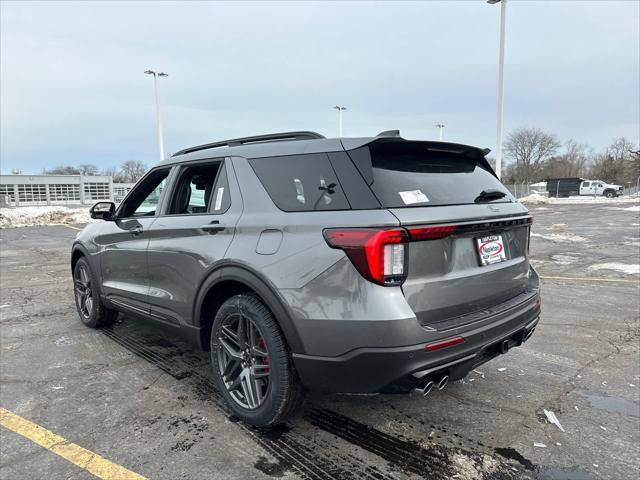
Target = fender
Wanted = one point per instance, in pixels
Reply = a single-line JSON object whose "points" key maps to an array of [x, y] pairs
{"points": [[91, 258], [79, 247], [268, 293]]}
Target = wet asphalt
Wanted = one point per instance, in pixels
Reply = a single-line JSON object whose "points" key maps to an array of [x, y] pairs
{"points": [[147, 402]]}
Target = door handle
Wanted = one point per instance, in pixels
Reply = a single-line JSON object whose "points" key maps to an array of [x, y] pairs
{"points": [[213, 227], [137, 230]]}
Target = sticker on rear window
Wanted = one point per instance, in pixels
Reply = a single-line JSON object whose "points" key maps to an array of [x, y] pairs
{"points": [[413, 196], [219, 195]]}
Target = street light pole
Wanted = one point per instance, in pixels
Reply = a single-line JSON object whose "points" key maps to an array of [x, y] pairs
{"points": [[158, 115], [340, 109], [503, 15], [440, 129]]}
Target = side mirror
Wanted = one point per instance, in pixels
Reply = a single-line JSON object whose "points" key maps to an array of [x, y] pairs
{"points": [[103, 211]]}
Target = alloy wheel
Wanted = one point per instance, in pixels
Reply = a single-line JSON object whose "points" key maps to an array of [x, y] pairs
{"points": [[243, 361], [84, 295]]}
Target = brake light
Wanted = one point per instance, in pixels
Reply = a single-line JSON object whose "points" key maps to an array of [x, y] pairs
{"points": [[379, 254], [431, 233]]}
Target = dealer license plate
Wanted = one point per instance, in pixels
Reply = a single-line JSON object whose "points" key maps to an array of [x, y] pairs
{"points": [[490, 250]]}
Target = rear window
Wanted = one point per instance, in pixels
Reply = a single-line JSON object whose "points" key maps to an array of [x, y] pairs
{"points": [[301, 183], [406, 174]]}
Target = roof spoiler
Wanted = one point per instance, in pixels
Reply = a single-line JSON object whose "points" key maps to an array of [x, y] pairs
{"points": [[389, 133]]}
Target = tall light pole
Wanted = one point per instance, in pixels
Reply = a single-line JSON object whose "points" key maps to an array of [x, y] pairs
{"points": [[155, 84], [503, 15], [440, 127], [340, 109]]}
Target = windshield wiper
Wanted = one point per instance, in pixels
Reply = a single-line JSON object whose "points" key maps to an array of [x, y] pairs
{"points": [[489, 195]]}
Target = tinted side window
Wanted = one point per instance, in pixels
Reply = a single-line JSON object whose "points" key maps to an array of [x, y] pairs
{"points": [[301, 183], [585, 184], [193, 190], [145, 197]]}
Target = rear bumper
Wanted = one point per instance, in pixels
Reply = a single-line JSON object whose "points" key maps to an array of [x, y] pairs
{"points": [[370, 370]]}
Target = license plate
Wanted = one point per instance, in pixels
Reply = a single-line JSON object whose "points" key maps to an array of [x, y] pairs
{"points": [[490, 250]]}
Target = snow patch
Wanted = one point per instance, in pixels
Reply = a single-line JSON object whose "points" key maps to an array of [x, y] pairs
{"points": [[620, 267], [635, 208], [560, 237], [536, 198], [564, 259], [30, 216]]}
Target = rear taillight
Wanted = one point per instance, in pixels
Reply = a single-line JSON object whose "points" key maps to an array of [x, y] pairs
{"points": [[379, 254]]}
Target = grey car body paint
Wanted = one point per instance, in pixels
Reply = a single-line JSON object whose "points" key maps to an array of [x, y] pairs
{"points": [[338, 318]]}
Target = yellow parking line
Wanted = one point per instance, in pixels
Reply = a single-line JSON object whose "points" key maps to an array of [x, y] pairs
{"points": [[69, 226], [83, 458], [590, 279]]}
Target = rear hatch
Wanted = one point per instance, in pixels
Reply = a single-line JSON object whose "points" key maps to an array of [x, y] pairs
{"points": [[468, 253]]}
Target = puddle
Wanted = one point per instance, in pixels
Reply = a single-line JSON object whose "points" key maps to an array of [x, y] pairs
{"points": [[614, 404], [564, 474]]}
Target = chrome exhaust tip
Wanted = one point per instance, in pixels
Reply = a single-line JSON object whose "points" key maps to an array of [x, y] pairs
{"points": [[529, 333], [443, 382], [427, 388]]}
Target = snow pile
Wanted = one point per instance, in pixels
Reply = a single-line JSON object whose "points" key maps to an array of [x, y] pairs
{"points": [[560, 237], [620, 267], [29, 216], [536, 199], [533, 199], [635, 208]]}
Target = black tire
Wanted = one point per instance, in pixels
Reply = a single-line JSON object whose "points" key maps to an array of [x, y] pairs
{"points": [[279, 392], [91, 310], [609, 194]]}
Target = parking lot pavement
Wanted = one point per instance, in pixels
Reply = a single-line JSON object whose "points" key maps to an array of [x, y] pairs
{"points": [[146, 402]]}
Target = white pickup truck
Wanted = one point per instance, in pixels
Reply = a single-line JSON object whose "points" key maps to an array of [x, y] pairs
{"points": [[569, 187], [598, 187]]}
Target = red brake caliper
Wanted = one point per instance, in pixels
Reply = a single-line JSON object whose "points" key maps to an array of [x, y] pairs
{"points": [[263, 346]]}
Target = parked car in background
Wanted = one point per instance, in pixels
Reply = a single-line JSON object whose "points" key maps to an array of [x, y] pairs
{"points": [[569, 187], [302, 263]]}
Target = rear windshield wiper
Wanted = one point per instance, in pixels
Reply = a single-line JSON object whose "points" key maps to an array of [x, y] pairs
{"points": [[489, 195]]}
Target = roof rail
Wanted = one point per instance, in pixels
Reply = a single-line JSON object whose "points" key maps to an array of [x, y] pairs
{"points": [[271, 137]]}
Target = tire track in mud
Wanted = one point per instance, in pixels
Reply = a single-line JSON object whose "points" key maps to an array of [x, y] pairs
{"points": [[302, 455], [310, 456]]}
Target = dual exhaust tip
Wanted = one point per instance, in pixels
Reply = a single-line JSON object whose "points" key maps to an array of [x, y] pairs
{"points": [[426, 390]]}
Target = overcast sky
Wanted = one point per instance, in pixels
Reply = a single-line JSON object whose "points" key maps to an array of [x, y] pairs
{"points": [[73, 90]]}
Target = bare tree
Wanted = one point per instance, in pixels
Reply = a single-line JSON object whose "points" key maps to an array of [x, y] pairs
{"points": [[131, 171], [62, 170], [619, 164], [114, 173], [88, 169], [529, 148], [572, 163]]}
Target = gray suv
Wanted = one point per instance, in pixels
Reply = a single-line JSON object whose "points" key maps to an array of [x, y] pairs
{"points": [[303, 263]]}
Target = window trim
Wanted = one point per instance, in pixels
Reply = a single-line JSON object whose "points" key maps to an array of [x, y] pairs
{"points": [[179, 169], [161, 200]]}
